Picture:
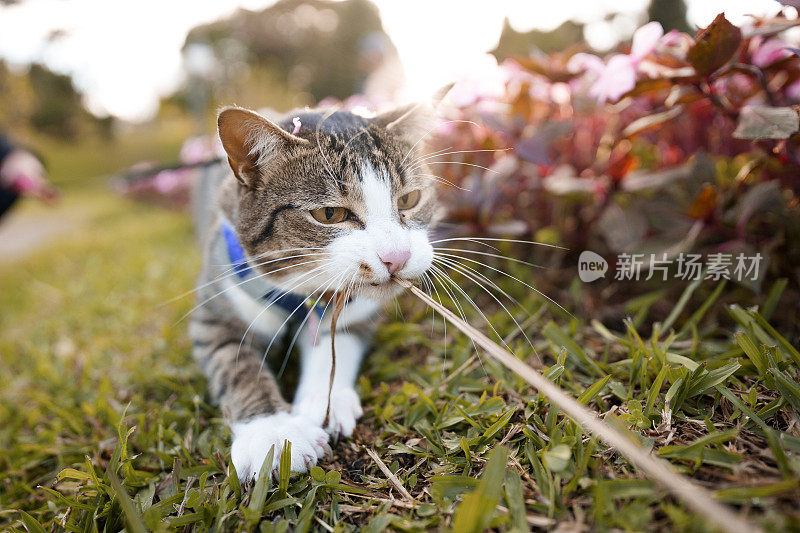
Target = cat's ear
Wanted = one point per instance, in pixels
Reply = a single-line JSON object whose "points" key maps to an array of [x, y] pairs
{"points": [[412, 122], [251, 141]]}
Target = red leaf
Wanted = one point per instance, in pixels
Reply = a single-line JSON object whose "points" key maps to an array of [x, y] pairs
{"points": [[621, 161], [714, 46], [705, 204]]}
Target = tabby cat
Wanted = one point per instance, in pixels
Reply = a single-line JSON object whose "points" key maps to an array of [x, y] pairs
{"points": [[316, 203]]}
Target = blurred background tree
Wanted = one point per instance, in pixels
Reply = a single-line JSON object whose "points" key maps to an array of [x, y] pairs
{"points": [[670, 13], [38, 100], [513, 43], [295, 52]]}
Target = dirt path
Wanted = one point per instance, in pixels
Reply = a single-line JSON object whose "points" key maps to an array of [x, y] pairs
{"points": [[25, 229]]}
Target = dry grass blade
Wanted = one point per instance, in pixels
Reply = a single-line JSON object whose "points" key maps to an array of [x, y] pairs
{"points": [[341, 299], [694, 496], [390, 476]]}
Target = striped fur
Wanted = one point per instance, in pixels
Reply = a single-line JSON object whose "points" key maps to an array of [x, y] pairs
{"points": [[337, 159]]}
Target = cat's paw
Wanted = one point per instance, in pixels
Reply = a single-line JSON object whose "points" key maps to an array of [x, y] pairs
{"points": [[345, 410], [252, 440]]}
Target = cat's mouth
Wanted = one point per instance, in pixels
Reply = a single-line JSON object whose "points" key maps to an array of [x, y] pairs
{"points": [[381, 289], [391, 282]]}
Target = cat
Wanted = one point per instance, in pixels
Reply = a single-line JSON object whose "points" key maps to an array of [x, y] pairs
{"points": [[313, 204]]}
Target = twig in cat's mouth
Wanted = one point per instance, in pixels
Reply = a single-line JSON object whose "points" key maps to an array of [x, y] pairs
{"points": [[696, 497], [341, 299]]}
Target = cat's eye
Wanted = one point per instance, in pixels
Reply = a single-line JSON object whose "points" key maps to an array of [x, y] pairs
{"points": [[408, 200], [330, 215]]}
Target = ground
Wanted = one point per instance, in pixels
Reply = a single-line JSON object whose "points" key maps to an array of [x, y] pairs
{"points": [[105, 422]]}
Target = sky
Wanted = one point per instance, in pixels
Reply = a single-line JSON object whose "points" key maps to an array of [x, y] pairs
{"points": [[125, 54]]}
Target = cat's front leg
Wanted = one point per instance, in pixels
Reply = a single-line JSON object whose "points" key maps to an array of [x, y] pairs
{"points": [[251, 400], [311, 398]]}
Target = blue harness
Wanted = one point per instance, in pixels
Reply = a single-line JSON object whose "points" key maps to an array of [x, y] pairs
{"points": [[287, 301]]}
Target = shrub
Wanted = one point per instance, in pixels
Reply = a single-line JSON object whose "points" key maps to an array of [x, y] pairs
{"points": [[676, 144]]}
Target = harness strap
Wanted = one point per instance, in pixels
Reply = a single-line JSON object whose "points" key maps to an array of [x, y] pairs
{"points": [[287, 301]]}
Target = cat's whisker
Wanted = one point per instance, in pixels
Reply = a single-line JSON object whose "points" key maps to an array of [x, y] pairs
{"points": [[397, 310], [441, 153], [440, 276], [431, 131], [472, 240], [449, 260], [434, 273], [470, 273], [540, 293], [443, 181], [497, 239], [504, 257], [478, 309], [328, 303], [477, 353], [423, 155], [296, 282], [275, 336], [223, 291], [288, 318], [234, 266], [303, 323], [475, 276], [269, 252], [321, 255], [426, 286], [349, 288], [259, 276], [428, 280], [487, 169], [231, 272]]}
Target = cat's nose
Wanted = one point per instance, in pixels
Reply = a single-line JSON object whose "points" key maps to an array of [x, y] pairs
{"points": [[395, 260]]}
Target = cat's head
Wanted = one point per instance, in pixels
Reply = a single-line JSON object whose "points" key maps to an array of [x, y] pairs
{"points": [[348, 196]]}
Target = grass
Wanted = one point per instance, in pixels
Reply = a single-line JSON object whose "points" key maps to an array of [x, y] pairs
{"points": [[75, 165], [105, 423]]}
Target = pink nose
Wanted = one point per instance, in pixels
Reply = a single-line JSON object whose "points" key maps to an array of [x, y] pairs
{"points": [[395, 260]]}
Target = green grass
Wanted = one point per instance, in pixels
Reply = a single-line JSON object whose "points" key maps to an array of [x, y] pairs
{"points": [[80, 165], [105, 423]]}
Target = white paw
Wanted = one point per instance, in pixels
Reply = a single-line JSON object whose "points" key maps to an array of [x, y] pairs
{"points": [[345, 410], [252, 440]]}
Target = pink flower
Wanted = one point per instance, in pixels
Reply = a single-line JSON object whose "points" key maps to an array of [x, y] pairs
{"points": [[770, 52], [673, 38], [486, 81], [585, 62], [197, 149], [618, 75], [793, 90], [23, 183], [169, 181], [617, 78], [645, 40], [560, 93]]}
